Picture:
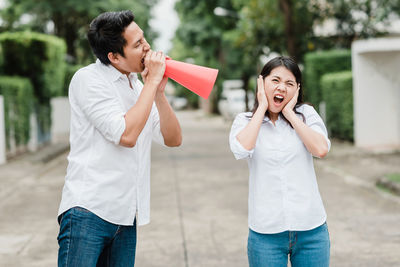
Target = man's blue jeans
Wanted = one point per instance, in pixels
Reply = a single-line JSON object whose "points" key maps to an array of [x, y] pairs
{"points": [[89, 241], [306, 248]]}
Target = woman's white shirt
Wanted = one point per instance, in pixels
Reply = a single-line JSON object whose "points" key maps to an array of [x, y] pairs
{"points": [[283, 191]]}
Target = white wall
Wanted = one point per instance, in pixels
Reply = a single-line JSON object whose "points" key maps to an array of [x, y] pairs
{"points": [[2, 133], [376, 90], [60, 119]]}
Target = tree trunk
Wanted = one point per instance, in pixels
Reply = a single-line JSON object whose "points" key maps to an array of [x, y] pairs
{"points": [[286, 7], [67, 31], [245, 80]]}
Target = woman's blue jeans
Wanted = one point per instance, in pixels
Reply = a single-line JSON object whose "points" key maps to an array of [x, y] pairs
{"points": [[89, 241], [305, 248]]}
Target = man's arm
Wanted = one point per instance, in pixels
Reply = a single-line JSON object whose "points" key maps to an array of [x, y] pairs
{"points": [[136, 117], [169, 124]]}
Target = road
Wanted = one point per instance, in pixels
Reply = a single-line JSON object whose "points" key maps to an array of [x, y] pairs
{"points": [[199, 206]]}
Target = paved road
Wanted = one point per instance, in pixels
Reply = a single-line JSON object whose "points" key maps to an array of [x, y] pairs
{"points": [[199, 206]]}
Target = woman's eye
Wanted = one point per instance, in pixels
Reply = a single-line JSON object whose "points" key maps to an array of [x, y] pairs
{"points": [[275, 80]]}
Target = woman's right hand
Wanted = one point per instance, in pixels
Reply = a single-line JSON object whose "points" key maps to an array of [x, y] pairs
{"points": [[262, 98]]}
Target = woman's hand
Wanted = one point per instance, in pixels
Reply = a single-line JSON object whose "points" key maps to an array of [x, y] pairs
{"points": [[288, 109], [262, 98]]}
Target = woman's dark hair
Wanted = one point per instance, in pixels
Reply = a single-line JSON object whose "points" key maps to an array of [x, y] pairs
{"points": [[106, 33], [292, 66]]}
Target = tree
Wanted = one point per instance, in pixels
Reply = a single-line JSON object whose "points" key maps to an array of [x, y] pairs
{"points": [[71, 18], [360, 19], [199, 39]]}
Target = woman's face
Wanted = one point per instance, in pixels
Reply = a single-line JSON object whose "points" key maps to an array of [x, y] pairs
{"points": [[280, 86]]}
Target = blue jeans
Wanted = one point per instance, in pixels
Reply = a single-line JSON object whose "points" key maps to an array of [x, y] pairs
{"points": [[305, 248], [89, 241]]}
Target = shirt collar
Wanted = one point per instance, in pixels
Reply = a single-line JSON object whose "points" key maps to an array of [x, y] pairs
{"points": [[115, 74], [278, 121]]}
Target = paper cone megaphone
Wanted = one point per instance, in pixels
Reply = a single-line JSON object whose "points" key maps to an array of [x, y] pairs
{"points": [[200, 80]]}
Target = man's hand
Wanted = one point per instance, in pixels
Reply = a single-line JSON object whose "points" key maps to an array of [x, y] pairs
{"points": [[154, 68]]}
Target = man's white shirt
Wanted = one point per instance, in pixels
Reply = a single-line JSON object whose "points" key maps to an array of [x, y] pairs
{"points": [[104, 177]]}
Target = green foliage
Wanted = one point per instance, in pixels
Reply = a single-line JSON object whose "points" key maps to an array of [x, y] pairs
{"points": [[199, 40], [71, 19], [394, 177], [337, 91], [1, 60], [70, 71], [18, 96], [317, 64], [39, 57]]}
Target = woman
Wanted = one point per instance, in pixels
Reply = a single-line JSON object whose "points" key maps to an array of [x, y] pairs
{"points": [[278, 139]]}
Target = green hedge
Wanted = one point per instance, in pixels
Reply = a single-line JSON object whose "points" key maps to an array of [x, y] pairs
{"points": [[337, 92], [1, 60], [41, 59], [18, 96], [70, 71], [319, 63]]}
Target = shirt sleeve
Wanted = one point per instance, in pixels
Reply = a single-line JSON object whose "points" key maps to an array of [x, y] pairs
{"points": [[237, 149], [156, 129], [99, 104], [314, 121]]}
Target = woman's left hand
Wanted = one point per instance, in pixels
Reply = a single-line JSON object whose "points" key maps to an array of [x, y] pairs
{"points": [[291, 104]]}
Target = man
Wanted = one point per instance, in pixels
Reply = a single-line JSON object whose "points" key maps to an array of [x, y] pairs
{"points": [[113, 121]]}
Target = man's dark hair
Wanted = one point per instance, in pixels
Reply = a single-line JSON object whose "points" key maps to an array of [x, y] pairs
{"points": [[106, 34]]}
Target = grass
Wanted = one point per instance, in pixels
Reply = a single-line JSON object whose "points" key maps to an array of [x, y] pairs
{"points": [[384, 188], [394, 177]]}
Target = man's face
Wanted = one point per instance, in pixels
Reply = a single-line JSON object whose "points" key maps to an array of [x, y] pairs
{"points": [[135, 50]]}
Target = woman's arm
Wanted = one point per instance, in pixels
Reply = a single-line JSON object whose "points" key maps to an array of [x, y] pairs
{"points": [[315, 142], [248, 136]]}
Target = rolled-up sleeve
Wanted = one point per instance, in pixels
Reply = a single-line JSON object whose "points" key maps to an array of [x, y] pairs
{"points": [[314, 121], [99, 104], [238, 125]]}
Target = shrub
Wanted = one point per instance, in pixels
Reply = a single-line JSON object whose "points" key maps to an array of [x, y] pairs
{"points": [[70, 71], [337, 92], [41, 59], [18, 95], [1, 60], [319, 63]]}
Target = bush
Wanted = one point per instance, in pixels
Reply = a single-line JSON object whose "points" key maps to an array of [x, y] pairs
{"points": [[317, 64], [41, 59], [70, 71], [1, 60], [337, 92], [18, 95]]}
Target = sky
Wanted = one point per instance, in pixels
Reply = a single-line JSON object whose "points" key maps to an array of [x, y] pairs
{"points": [[165, 21]]}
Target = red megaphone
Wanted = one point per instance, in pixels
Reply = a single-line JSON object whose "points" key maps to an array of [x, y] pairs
{"points": [[200, 80]]}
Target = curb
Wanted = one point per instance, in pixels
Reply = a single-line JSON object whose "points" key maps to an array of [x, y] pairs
{"points": [[390, 185], [49, 152]]}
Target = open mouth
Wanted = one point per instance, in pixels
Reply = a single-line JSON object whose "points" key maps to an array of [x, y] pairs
{"points": [[278, 99]]}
